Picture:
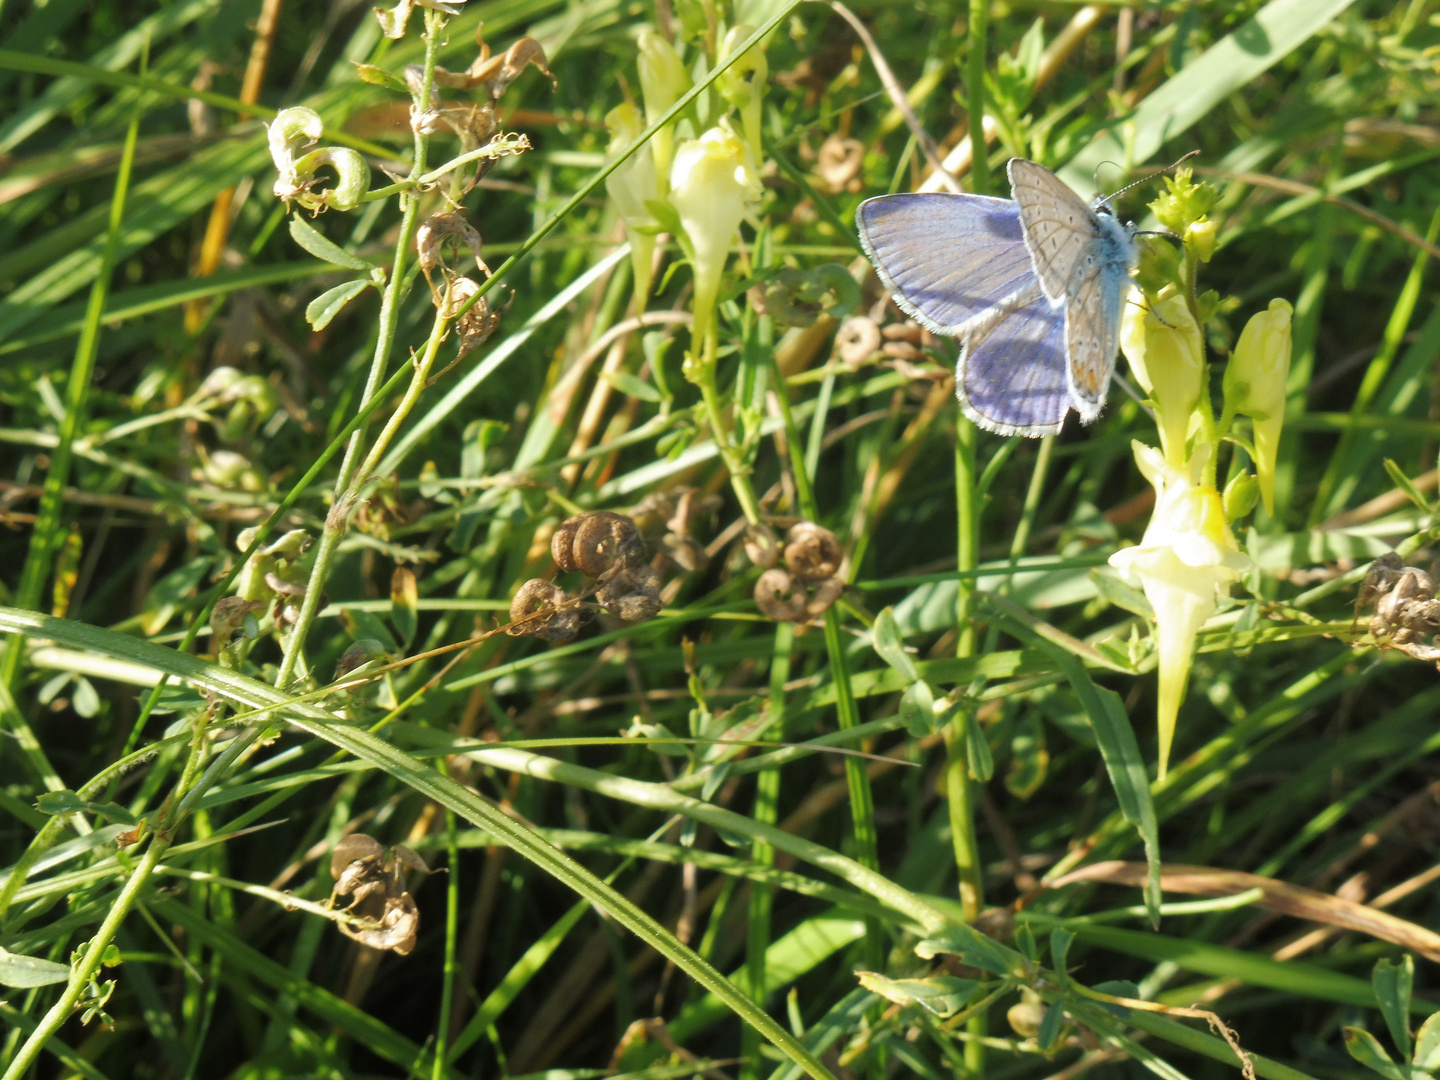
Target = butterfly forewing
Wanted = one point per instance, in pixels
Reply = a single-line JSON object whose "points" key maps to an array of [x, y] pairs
{"points": [[945, 258], [1057, 224]]}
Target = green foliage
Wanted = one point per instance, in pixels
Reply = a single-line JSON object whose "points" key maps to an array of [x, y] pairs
{"points": [[278, 487]]}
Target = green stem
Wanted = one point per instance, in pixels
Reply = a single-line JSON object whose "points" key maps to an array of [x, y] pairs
{"points": [[350, 477], [704, 377], [975, 93], [766, 812], [452, 909]]}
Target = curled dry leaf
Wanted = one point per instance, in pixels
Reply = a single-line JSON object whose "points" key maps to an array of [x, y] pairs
{"points": [[494, 73], [544, 610]]}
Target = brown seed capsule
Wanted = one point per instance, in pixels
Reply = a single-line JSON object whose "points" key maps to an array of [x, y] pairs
{"points": [[562, 544], [604, 540], [761, 547], [812, 552], [539, 610], [631, 593], [779, 596], [858, 340], [823, 595]]}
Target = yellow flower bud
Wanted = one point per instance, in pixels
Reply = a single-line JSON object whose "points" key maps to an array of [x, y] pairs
{"points": [[663, 80], [712, 184], [631, 186], [1255, 386], [1162, 343], [1185, 563], [743, 84], [1200, 239]]}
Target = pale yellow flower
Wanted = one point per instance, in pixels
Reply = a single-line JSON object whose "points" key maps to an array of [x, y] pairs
{"points": [[663, 81], [631, 187], [1255, 382], [1162, 343], [1185, 563], [712, 186]]}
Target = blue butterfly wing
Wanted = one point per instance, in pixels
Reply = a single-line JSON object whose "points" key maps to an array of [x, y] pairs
{"points": [[1012, 375], [945, 258]]}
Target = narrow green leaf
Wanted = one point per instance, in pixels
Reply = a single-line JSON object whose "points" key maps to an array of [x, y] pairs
{"points": [[425, 781], [632, 385], [1427, 1044], [1404, 483], [1393, 984], [1211, 78], [23, 972], [309, 238], [1366, 1049], [1050, 1027], [917, 709], [943, 995], [327, 305], [1126, 767], [1060, 941], [971, 946], [890, 644], [978, 760], [378, 76]]}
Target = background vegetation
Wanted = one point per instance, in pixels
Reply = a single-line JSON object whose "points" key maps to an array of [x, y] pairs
{"points": [[198, 869]]}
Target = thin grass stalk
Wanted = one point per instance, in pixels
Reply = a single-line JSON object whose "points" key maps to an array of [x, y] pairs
{"points": [[452, 912], [48, 535], [862, 802]]}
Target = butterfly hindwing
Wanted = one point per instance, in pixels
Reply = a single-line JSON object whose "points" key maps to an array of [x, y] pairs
{"points": [[1012, 374], [945, 258]]}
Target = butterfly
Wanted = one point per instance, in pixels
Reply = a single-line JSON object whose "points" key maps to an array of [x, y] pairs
{"points": [[1033, 287]]}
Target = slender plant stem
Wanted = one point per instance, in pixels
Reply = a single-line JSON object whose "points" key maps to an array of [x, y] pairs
{"points": [[346, 486], [767, 800], [975, 92]]}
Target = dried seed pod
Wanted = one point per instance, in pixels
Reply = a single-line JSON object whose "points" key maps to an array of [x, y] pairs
{"points": [[909, 331], [562, 544], [779, 596], [812, 552], [901, 350], [684, 551], [839, 162], [604, 540], [430, 238], [823, 595], [541, 609], [228, 616], [479, 322], [761, 547], [362, 869], [631, 593], [858, 339]]}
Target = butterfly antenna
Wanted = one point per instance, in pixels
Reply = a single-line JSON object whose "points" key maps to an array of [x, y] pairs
{"points": [[1151, 176], [1095, 176]]}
